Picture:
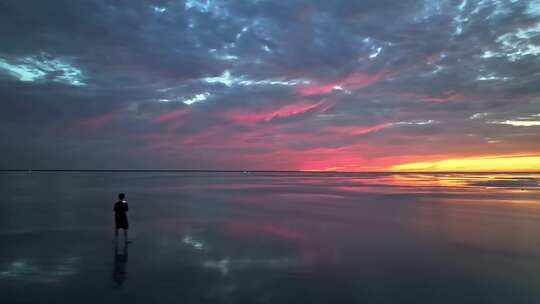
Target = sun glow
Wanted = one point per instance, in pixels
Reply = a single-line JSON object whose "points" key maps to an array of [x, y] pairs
{"points": [[475, 164]]}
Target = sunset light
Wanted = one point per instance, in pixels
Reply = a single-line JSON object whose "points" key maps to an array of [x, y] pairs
{"points": [[476, 164], [271, 85], [270, 151]]}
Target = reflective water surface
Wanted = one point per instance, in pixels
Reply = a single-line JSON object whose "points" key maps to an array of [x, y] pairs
{"points": [[271, 238]]}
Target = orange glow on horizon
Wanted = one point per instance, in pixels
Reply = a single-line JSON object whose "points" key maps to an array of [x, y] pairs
{"points": [[506, 163], [492, 163]]}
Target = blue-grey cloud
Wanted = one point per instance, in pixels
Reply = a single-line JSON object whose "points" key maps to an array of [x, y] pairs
{"points": [[265, 84]]}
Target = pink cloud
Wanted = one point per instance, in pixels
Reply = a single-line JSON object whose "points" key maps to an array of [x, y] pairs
{"points": [[443, 97], [240, 116], [96, 122], [355, 80], [169, 116], [358, 130]]}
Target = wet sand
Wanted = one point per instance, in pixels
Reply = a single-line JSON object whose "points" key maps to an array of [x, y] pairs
{"points": [[270, 238]]}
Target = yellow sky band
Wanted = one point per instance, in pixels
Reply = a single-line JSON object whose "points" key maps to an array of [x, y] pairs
{"points": [[472, 164]]}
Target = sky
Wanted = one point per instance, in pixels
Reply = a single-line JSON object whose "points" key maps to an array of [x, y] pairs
{"points": [[270, 85]]}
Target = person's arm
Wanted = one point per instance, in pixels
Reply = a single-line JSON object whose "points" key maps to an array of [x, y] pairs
{"points": [[126, 207]]}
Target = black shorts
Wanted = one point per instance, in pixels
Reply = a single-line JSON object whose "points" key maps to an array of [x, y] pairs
{"points": [[121, 221]]}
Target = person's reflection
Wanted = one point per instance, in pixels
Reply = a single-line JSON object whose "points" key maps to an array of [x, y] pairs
{"points": [[120, 263]]}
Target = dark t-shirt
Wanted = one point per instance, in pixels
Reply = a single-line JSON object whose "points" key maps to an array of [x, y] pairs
{"points": [[121, 206]]}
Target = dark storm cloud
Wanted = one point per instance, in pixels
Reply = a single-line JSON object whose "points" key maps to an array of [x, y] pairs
{"points": [[264, 84]]}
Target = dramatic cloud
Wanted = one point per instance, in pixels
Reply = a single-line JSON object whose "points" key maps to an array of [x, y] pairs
{"points": [[276, 85]]}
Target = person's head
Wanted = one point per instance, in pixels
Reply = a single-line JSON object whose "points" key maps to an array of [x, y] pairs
{"points": [[121, 196]]}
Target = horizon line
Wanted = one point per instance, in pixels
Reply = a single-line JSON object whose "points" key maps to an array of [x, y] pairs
{"points": [[255, 171]]}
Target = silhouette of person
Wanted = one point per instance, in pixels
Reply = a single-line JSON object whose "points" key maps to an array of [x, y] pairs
{"points": [[120, 264], [120, 216]]}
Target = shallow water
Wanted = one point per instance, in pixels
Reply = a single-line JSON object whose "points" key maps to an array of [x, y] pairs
{"points": [[271, 238]]}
